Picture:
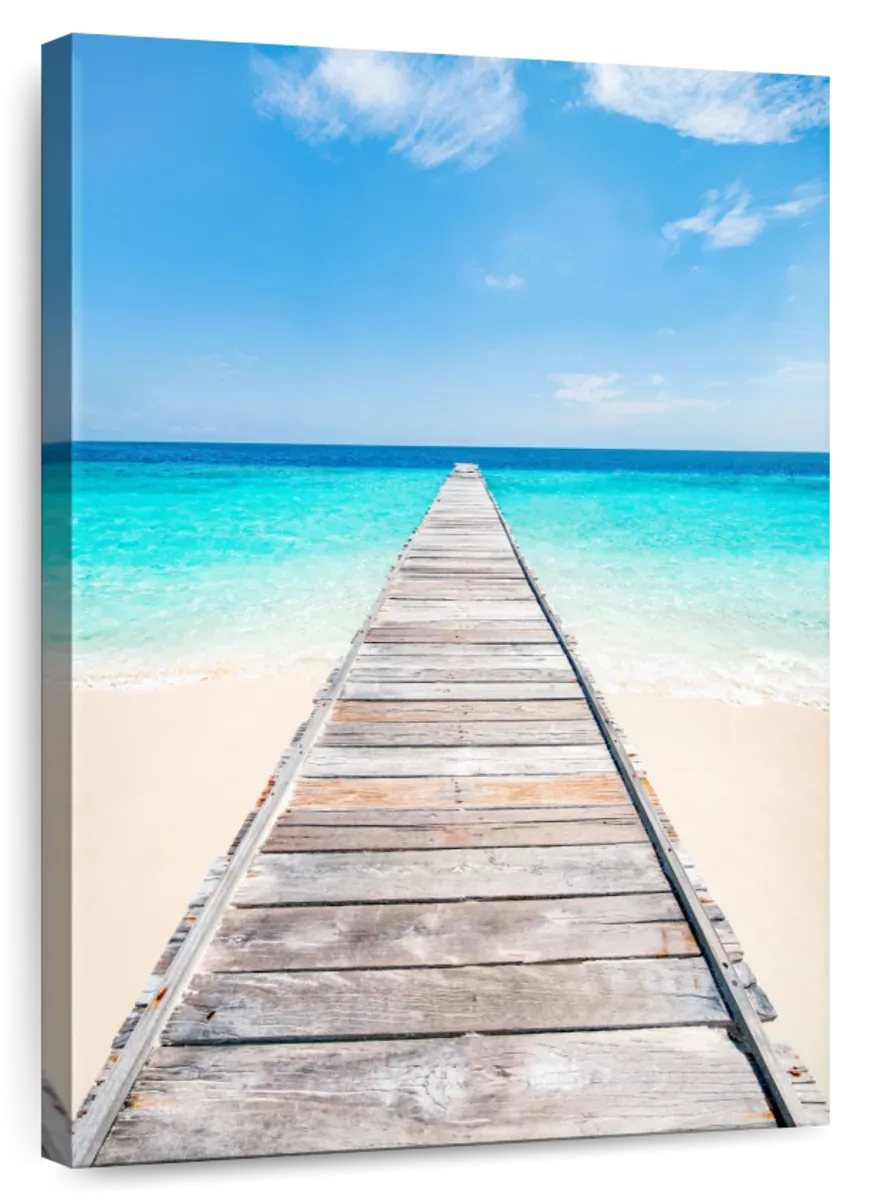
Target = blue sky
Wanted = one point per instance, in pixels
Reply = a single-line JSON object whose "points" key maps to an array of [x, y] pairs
{"points": [[324, 246]]}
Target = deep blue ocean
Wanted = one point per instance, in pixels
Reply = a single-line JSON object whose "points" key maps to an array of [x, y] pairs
{"points": [[693, 573]]}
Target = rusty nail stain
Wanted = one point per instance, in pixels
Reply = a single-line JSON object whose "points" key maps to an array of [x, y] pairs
{"points": [[663, 951]]}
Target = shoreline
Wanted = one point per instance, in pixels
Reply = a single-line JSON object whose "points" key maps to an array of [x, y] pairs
{"points": [[745, 786], [734, 693]]}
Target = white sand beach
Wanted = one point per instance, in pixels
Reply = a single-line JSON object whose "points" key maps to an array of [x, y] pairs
{"points": [[163, 778]]}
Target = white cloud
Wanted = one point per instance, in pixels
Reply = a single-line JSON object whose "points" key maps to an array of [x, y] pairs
{"points": [[797, 372], [717, 106], [805, 198], [431, 109], [666, 331], [610, 398], [509, 283], [587, 389], [729, 220]]}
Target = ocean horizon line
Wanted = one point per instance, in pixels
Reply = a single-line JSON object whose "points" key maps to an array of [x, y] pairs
{"points": [[74, 442]]}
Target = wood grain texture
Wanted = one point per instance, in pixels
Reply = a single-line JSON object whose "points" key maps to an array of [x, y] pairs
{"points": [[459, 558], [465, 651], [453, 1091], [383, 762], [454, 793], [464, 545], [379, 711], [497, 589], [306, 1005], [471, 932], [462, 733], [435, 568], [483, 632], [420, 670], [460, 610], [516, 814], [373, 689], [366, 876], [428, 835]]}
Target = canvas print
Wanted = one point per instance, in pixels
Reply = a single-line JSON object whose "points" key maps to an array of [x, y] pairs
{"points": [[435, 543]]}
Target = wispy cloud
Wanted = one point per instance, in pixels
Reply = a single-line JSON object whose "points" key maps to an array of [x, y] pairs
{"points": [[729, 219], [797, 372], [431, 109], [226, 366], [666, 331], [716, 106], [508, 283], [610, 398]]}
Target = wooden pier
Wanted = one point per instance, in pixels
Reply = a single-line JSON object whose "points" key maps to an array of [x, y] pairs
{"points": [[458, 913]]}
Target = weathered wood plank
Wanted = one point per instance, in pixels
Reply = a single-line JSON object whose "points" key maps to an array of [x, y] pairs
{"points": [[494, 631], [457, 793], [607, 830], [306, 1005], [428, 568], [460, 554], [456, 576], [459, 542], [459, 610], [455, 547], [516, 813], [375, 711], [433, 589], [380, 761], [449, 657], [416, 670], [371, 689], [366, 876], [495, 652], [460, 1090], [467, 933], [462, 733]]}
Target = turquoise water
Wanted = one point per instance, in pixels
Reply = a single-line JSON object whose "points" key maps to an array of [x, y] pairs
{"points": [[697, 575]]}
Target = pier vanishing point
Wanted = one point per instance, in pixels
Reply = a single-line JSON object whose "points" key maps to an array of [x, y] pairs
{"points": [[457, 914]]}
